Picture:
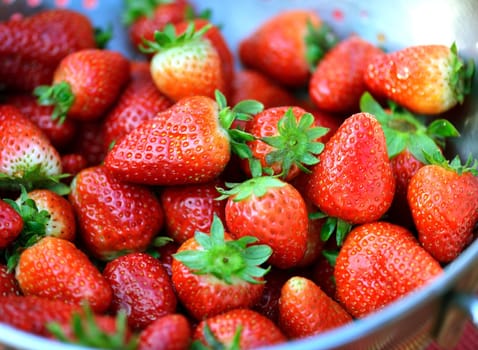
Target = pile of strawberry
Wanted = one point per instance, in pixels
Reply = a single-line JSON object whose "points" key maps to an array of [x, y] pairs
{"points": [[181, 201]]}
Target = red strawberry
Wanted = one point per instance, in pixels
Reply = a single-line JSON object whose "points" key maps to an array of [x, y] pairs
{"points": [[59, 134], [166, 252], [190, 208], [144, 17], [212, 273], [32, 47], [90, 142], [287, 45], [72, 164], [379, 263], [114, 217], [11, 224], [8, 282], [57, 269], [185, 144], [353, 182], [249, 84], [442, 198], [170, 332], [305, 310], [186, 64], [426, 79], [33, 313], [26, 155], [286, 141], [322, 273], [141, 287], [239, 329], [85, 84], [141, 100], [274, 212], [337, 82]]}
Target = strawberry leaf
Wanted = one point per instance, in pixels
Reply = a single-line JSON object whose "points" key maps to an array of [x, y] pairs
{"points": [[134, 9], [461, 79], [318, 40], [257, 186], [331, 256], [58, 95]]}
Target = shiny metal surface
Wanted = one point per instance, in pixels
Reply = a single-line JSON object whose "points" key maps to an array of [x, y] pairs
{"points": [[435, 311]]}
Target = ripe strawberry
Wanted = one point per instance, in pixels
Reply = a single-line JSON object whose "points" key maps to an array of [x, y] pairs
{"points": [[32, 47], [141, 288], [8, 282], [442, 198], [33, 313], [144, 17], [253, 85], [379, 263], [11, 224], [55, 268], [140, 100], [170, 332], [72, 164], [287, 45], [238, 329], [85, 84], [305, 310], [212, 273], [190, 208], [59, 134], [353, 183], [426, 79], [166, 252], [322, 273], [286, 141], [188, 143], [337, 82], [186, 64], [90, 142], [114, 217], [274, 212], [26, 155]]}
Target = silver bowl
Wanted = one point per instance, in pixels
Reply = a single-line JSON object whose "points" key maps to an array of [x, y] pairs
{"points": [[436, 312]]}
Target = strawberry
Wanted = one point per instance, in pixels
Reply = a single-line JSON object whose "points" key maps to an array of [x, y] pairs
{"points": [[90, 142], [357, 147], [144, 17], [114, 217], [238, 329], [212, 273], [85, 84], [186, 64], [322, 273], [305, 310], [55, 268], [59, 134], [32, 47], [442, 199], [72, 163], [169, 332], [379, 263], [274, 212], [166, 252], [139, 101], [8, 282], [286, 141], [11, 224], [190, 208], [337, 82], [287, 45], [33, 313], [426, 79], [188, 143], [252, 84], [26, 155], [141, 288]]}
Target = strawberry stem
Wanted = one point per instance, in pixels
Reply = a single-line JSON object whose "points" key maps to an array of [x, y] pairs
{"points": [[58, 95], [226, 259]]}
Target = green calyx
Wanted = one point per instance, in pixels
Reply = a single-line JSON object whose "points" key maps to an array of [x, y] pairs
{"points": [[456, 165], [296, 142], [257, 186], [227, 260], [34, 227], [212, 342], [58, 95], [86, 332], [103, 36], [331, 226], [167, 38], [462, 73], [243, 110], [404, 130], [135, 9], [318, 40]]}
